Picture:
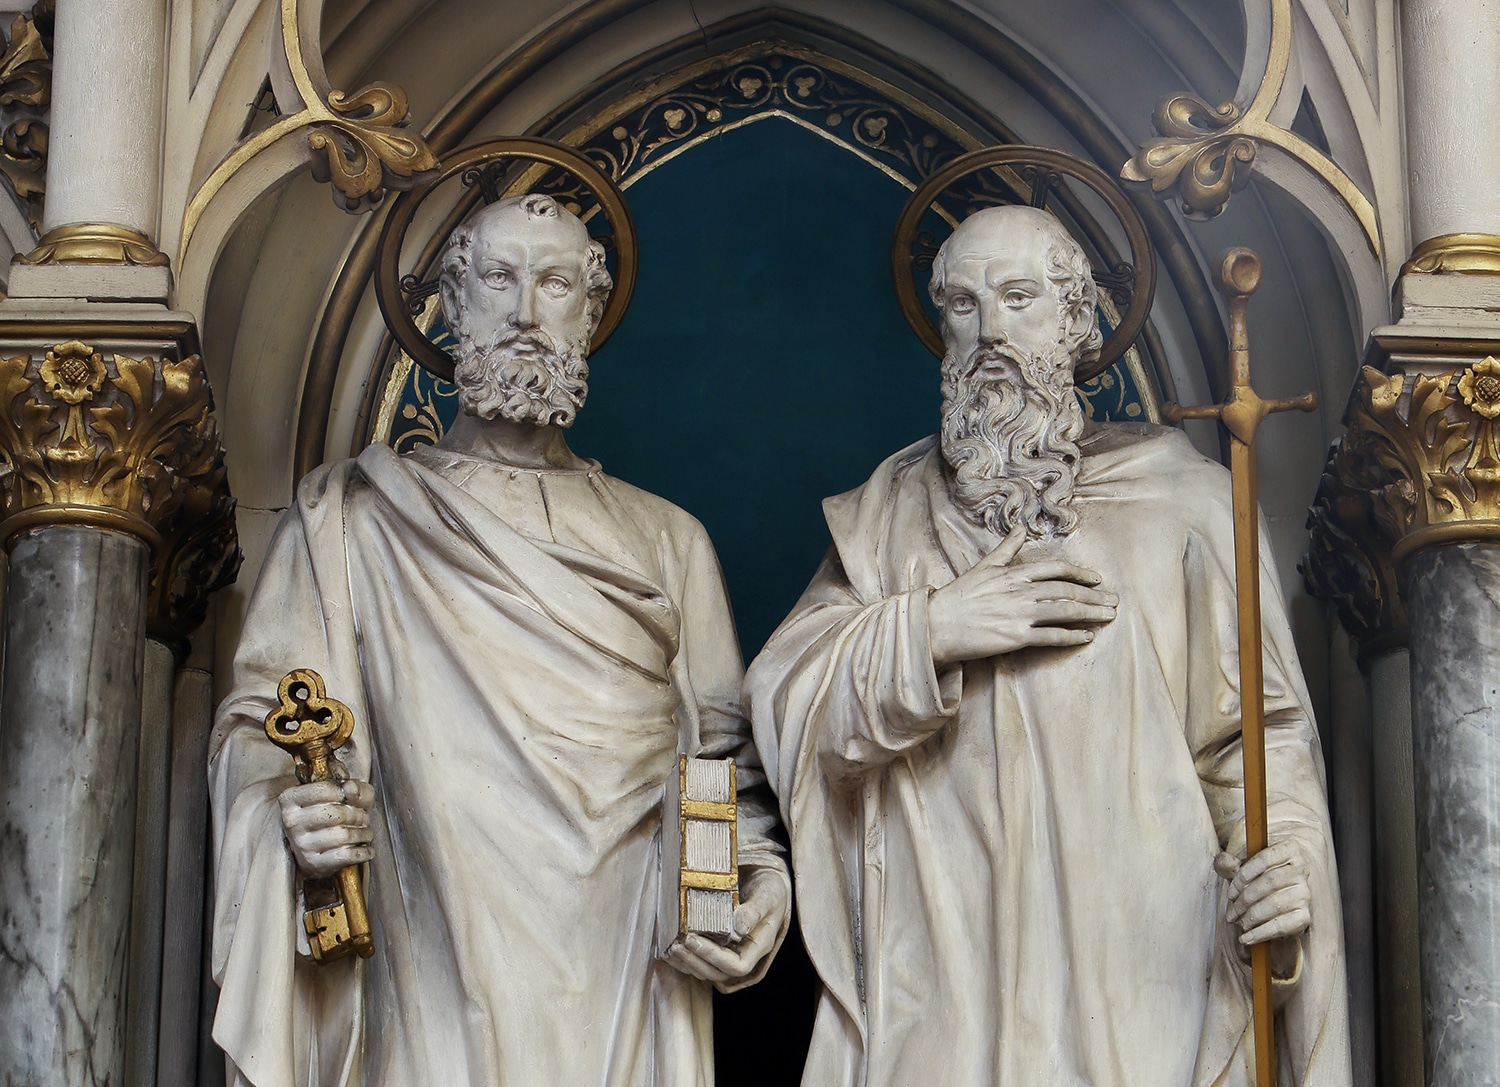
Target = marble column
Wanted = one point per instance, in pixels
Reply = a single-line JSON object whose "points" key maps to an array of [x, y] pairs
{"points": [[1452, 90], [69, 724], [148, 907], [1454, 595], [117, 517], [1395, 834], [104, 159], [180, 1030]]}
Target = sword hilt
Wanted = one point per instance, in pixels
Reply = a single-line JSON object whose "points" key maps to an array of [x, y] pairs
{"points": [[1237, 278]]}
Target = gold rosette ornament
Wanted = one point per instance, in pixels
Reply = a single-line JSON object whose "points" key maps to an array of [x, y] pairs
{"points": [[1480, 387]]}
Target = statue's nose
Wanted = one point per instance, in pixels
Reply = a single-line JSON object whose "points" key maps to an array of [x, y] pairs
{"points": [[524, 315], [991, 322]]}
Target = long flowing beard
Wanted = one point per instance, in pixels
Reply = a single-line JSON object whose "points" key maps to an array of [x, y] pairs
{"points": [[521, 375], [1010, 427]]}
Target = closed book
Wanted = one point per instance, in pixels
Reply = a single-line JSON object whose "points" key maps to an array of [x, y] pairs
{"points": [[699, 852]]}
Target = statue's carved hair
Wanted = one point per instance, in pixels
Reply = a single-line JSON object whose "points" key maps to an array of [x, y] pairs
{"points": [[1065, 266], [455, 262]]}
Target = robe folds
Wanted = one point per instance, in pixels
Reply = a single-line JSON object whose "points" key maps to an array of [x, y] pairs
{"points": [[1004, 870], [524, 653]]}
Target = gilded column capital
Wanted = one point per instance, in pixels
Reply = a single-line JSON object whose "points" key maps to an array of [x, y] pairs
{"points": [[126, 444], [1430, 438], [1417, 467]]}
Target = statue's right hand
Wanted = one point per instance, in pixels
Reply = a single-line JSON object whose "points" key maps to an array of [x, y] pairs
{"points": [[997, 608], [327, 825]]}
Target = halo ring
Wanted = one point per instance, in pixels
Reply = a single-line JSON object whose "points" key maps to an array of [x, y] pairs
{"points": [[388, 293], [1143, 289]]}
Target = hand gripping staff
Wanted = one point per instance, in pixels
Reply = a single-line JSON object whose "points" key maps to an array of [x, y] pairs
{"points": [[1241, 415], [312, 726]]}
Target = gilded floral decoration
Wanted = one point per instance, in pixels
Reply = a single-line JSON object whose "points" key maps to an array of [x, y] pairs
{"points": [[128, 444]]}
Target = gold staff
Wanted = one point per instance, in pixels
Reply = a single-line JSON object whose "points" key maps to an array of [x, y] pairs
{"points": [[1241, 415]]}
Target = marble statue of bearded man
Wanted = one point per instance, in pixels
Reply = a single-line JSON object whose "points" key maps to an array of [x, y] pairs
{"points": [[526, 644], [1003, 725]]}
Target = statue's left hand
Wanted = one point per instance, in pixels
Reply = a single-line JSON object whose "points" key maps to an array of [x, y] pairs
{"points": [[764, 902], [1269, 898]]}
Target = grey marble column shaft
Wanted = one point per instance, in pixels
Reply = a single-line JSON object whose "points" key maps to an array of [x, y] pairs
{"points": [[70, 713], [148, 908], [1395, 833], [1453, 593]]}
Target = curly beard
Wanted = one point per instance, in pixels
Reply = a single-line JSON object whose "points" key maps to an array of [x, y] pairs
{"points": [[521, 375], [1010, 424]]}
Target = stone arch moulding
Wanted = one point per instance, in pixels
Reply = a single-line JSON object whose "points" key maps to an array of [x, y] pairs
{"points": [[967, 125]]}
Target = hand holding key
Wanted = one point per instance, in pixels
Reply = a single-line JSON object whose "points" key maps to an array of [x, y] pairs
{"points": [[326, 817], [327, 825]]}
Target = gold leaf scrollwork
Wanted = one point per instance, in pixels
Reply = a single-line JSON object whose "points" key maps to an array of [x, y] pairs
{"points": [[364, 152], [1200, 153], [132, 447], [1203, 154]]}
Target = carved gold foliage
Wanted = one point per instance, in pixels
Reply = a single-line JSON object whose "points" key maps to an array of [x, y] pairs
{"points": [[1203, 153], [131, 446], [1419, 465], [1433, 440], [364, 152], [26, 89]]}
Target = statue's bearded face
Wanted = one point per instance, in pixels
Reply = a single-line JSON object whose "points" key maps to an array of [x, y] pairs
{"points": [[1018, 306], [522, 290]]}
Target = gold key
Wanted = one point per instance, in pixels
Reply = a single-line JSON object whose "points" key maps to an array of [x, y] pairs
{"points": [[313, 727]]}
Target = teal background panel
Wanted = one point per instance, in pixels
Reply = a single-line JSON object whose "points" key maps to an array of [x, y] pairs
{"points": [[764, 363]]}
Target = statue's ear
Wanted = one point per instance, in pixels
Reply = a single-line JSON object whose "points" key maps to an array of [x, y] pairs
{"points": [[1082, 332], [448, 302]]}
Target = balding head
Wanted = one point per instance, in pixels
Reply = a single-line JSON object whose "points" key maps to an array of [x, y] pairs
{"points": [[1015, 244]]}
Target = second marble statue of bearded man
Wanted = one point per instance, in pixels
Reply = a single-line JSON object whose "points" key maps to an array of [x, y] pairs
{"points": [[525, 642], [1003, 723]]}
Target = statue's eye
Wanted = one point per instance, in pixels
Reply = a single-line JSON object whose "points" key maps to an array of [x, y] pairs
{"points": [[1017, 299], [556, 284], [961, 304], [498, 277]]}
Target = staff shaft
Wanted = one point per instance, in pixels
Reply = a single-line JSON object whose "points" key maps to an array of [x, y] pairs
{"points": [[1253, 729]]}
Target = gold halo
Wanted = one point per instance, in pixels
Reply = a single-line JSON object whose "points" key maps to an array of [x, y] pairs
{"points": [[388, 280], [1053, 162]]}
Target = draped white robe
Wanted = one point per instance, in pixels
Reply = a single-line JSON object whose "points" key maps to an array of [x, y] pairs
{"points": [[523, 652], [1004, 871]]}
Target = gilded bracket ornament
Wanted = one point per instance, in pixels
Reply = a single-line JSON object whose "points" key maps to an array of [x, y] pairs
{"points": [[129, 445], [357, 141], [1205, 153]]}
